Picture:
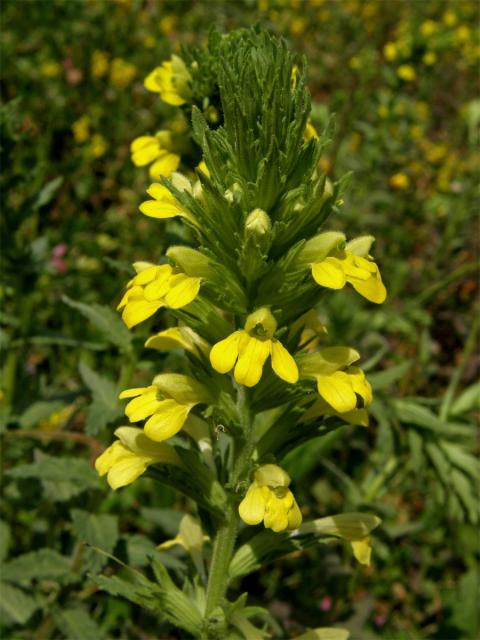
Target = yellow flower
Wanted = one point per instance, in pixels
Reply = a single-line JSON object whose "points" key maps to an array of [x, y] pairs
{"points": [[153, 287], [336, 266], [166, 403], [167, 24], [449, 18], [122, 73], [50, 69], [171, 80], [250, 347], [354, 527], [81, 129], [99, 64], [164, 204], [406, 72], [129, 456], [390, 51], [338, 383], [269, 499], [428, 28], [156, 149], [399, 181], [98, 146], [430, 58]]}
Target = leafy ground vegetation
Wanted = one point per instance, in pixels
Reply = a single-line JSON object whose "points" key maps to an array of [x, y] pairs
{"points": [[401, 80]]}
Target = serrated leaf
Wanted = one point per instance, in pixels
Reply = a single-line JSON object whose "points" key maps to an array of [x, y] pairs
{"points": [[36, 565], [37, 412], [62, 478], [98, 531], [15, 605], [77, 624], [138, 590], [105, 406], [139, 549], [105, 320]]}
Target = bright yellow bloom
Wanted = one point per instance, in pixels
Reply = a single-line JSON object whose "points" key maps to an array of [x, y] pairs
{"points": [[81, 129], [129, 456], [354, 527], [353, 264], [171, 80], [250, 347], [166, 403], [339, 384], [155, 149], [399, 181], [164, 204], [154, 287], [430, 58], [269, 499], [122, 73], [406, 72], [99, 64]]}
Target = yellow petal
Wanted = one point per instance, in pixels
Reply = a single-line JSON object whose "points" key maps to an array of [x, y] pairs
{"points": [[144, 150], [283, 363], [276, 514], [161, 210], [165, 165], [372, 289], [151, 81], [131, 393], [362, 550], [183, 290], [252, 356], [126, 471], [329, 273], [252, 507], [168, 419], [139, 310], [223, 354], [105, 461], [337, 390], [143, 405], [145, 275], [177, 338], [294, 516], [360, 384]]}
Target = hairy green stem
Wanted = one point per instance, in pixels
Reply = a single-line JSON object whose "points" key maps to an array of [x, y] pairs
{"points": [[226, 534]]}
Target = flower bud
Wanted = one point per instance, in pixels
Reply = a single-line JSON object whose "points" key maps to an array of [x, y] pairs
{"points": [[258, 227]]}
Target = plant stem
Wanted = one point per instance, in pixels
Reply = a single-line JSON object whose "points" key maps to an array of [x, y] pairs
{"points": [[221, 555], [226, 534]]}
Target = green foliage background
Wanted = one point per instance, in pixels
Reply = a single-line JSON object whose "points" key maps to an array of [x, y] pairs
{"points": [[71, 228]]}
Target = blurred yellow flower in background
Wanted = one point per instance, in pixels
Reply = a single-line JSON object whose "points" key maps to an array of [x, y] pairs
{"points": [[81, 129], [122, 73], [50, 69], [99, 64], [406, 72], [399, 181]]}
